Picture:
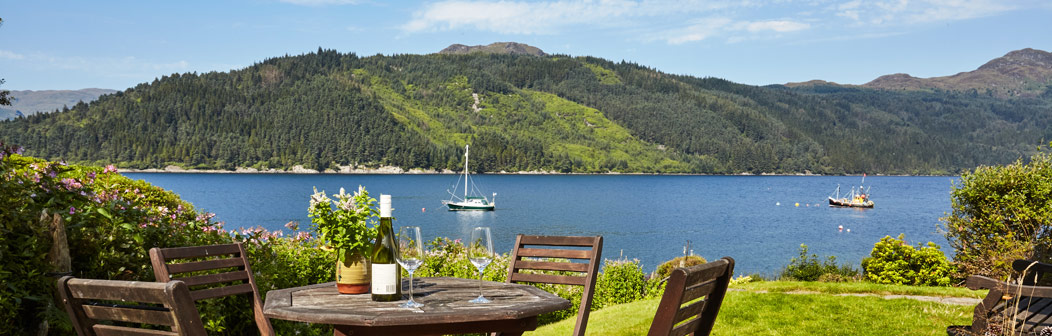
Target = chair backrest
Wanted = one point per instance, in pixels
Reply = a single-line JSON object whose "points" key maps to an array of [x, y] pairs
{"points": [[687, 286], [545, 255], [90, 301], [229, 274]]}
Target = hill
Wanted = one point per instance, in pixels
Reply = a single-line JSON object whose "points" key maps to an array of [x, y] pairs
{"points": [[1025, 72], [527, 113], [494, 48], [31, 102]]}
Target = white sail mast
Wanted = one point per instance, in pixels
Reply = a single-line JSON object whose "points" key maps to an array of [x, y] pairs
{"points": [[466, 172]]}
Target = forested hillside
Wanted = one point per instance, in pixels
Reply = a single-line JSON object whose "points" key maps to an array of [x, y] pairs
{"points": [[525, 112]]}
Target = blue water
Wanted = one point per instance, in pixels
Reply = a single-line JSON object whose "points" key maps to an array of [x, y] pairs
{"points": [[649, 218]]}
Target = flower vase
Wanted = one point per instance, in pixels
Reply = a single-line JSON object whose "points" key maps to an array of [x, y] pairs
{"points": [[352, 273]]}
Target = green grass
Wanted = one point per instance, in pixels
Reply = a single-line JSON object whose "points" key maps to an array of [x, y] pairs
{"points": [[858, 287], [776, 313]]}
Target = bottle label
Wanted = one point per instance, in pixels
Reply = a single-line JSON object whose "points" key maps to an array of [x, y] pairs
{"points": [[385, 277]]}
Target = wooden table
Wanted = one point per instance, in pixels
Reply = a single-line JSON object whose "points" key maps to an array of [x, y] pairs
{"points": [[446, 308]]}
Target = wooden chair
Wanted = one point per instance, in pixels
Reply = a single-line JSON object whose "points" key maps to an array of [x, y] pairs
{"points": [[686, 285], [235, 275], [1014, 308], [541, 259], [166, 304]]}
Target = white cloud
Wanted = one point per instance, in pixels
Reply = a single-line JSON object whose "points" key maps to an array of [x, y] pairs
{"points": [[705, 28], [321, 2], [895, 12], [781, 26], [10, 55], [524, 17]]}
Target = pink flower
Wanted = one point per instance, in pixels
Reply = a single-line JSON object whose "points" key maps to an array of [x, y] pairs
{"points": [[292, 225], [71, 210], [110, 169]]}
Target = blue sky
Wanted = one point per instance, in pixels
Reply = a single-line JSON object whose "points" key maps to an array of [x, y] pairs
{"points": [[118, 44]]}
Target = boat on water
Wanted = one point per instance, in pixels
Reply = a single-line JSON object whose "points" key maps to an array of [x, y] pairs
{"points": [[473, 199], [855, 199]]}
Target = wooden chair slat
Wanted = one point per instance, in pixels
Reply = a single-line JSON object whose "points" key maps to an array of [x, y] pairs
{"points": [[1037, 313], [551, 266], [549, 278], [81, 298], [205, 265], [557, 240], [199, 251], [163, 270], [554, 253], [1028, 305], [694, 292], [589, 270], [146, 292], [109, 330], [198, 295], [688, 311], [209, 279], [686, 328], [709, 272], [688, 284], [147, 315]]}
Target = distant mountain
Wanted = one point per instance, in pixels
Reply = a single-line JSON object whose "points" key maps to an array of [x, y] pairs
{"points": [[1026, 72], [30, 102], [494, 48], [330, 110]]}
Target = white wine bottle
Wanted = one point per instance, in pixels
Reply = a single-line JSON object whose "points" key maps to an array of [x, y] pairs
{"points": [[387, 276]]}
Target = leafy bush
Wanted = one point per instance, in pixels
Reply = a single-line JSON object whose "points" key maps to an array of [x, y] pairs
{"points": [[620, 282], [895, 262], [1001, 213], [809, 268], [666, 268]]}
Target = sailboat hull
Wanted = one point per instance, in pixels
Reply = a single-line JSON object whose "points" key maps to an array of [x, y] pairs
{"points": [[469, 206], [843, 202]]}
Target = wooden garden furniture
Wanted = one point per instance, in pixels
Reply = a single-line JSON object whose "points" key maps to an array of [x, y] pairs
{"points": [[216, 270], [513, 310], [551, 253], [132, 303], [1022, 308], [682, 304]]}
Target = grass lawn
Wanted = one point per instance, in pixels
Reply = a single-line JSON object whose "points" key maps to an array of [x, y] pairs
{"points": [[778, 313]]}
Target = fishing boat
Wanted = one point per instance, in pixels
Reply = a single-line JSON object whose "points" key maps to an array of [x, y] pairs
{"points": [[856, 199], [473, 198]]}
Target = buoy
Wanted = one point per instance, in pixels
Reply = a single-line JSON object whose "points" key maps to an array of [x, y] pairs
{"points": [[797, 204], [423, 209], [778, 203], [848, 230], [840, 228]]}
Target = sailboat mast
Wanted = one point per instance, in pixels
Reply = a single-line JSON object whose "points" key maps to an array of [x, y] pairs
{"points": [[466, 172]]}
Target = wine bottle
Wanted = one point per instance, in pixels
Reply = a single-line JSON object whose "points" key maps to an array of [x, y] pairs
{"points": [[386, 274]]}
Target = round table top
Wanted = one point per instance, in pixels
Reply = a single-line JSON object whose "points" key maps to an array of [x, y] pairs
{"points": [[445, 301]]}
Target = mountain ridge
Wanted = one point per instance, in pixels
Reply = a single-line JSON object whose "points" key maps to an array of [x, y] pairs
{"points": [[325, 110], [30, 102], [1025, 72]]}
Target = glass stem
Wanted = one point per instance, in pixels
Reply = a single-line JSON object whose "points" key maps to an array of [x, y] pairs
{"points": [[480, 283], [411, 286]]}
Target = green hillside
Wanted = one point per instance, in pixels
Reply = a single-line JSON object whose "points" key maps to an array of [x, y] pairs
{"points": [[527, 113]]}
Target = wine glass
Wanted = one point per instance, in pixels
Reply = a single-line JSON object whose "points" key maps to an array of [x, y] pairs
{"points": [[410, 256], [480, 252]]}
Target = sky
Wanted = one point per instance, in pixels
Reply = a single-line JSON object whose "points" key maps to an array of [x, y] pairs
{"points": [[59, 45]]}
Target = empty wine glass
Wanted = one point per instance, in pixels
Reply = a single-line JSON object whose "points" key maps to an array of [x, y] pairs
{"points": [[410, 256], [480, 252]]}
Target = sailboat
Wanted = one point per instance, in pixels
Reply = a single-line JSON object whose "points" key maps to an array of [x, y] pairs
{"points": [[856, 199], [473, 199]]}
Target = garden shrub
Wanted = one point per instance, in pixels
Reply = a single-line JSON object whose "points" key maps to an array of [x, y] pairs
{"points": [[1001, 213], [809, 268], [621, 281], [895, 262], [666, 268]]}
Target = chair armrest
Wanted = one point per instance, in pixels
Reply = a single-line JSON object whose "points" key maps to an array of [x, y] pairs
{"points": [[981, 282]]}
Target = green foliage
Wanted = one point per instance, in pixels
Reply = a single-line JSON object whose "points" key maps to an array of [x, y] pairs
{"points": [[347, 225], [666, 268], [622, 281], [448, 258], [583, 114], [110, 221], [810, 268], [1001, 213], [895, 262]]}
